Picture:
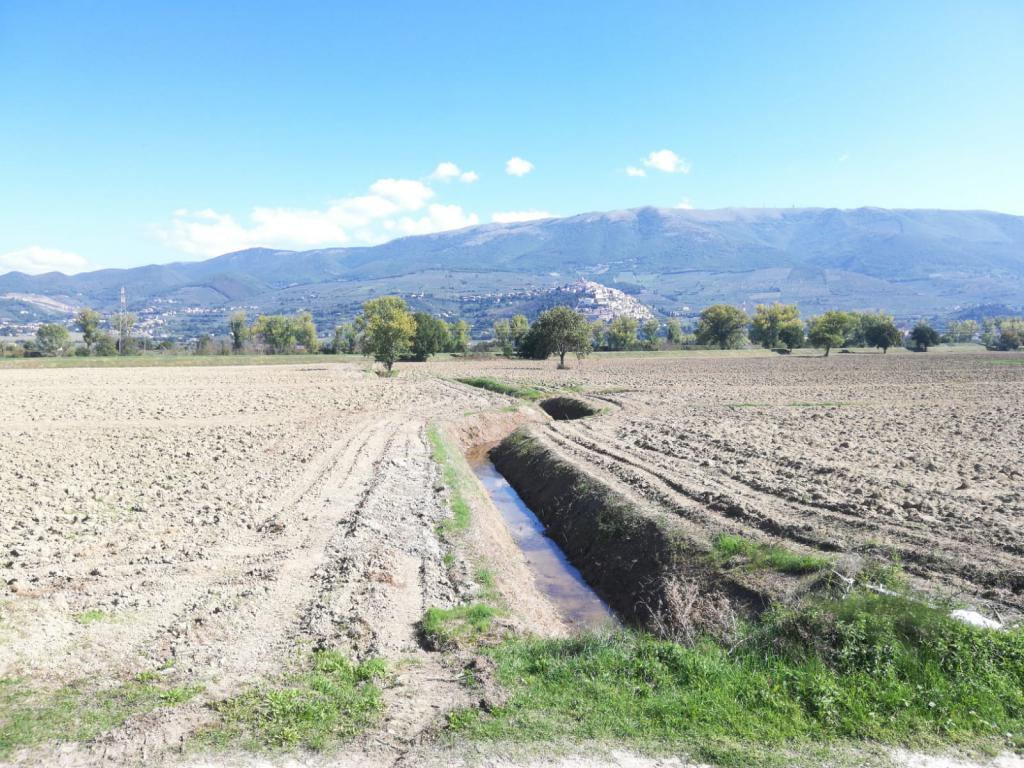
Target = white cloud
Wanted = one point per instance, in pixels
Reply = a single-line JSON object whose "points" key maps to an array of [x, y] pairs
{"points": [[516, 166], [35, 260], [508, 217], [393, 208], [405, 192], [438, 218], [844, 157], [634, 171], [685, 204], [447, 171], [667, 161]]}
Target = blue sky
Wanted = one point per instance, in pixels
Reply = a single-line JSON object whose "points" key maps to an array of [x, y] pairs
{"points": [[148, 132]]}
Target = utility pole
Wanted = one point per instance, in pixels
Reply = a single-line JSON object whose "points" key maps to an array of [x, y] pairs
{"points": [[121, 322]]}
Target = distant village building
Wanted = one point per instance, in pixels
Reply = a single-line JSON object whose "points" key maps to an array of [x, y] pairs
{"points": [[599, 302]]}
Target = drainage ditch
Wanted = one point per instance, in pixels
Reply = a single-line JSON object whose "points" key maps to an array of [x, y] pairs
{"points": [[556, 578]]}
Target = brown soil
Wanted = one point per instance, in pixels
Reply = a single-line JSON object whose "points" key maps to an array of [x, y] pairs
{"points": [[223, 519], [227, 517], [909, 457]]}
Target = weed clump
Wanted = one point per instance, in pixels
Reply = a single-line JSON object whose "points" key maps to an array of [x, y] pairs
{"points": [[454, 627], [759, 556], [91, 616], [332, 701]]}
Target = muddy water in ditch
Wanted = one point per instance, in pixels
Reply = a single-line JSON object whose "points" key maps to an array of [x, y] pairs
{"points": [[556, 577]]}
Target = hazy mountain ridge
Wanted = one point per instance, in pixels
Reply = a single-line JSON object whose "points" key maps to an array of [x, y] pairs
{"points": [[908, 261]]}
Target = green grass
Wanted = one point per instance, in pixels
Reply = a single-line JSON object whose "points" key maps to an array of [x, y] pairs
{"points": [[503, 387], [485, 578], [459, 626], [92, 616], [332, 701], [759, 556], [869, 670], [75, 713], [445, 457]]}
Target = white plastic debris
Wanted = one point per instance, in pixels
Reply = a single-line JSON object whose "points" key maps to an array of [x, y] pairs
{"points": [[975, 619]]}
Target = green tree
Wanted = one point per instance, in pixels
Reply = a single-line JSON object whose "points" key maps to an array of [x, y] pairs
{"points": [[277, 332], [1011, 333], [239, 330], [831, 329], [304, 332], [649, 333], [534, 345], [622, 333], [722, 325], [961, 331], [924, 336], [52, 339], [563, 330], [458, 333], [792, 336], [431, 336], [105, 345], [598, 335], [880, 331], [770, 320], [674, 331], [88, 322], [518, 327], [503, 335], [1010, 338], [347, 337], [390, 328]]}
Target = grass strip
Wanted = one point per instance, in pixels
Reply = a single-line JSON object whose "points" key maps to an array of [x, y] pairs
{"points": [[766, 556], [444, 456], [332, 701], [503, 387], [866, 671], [78, 712]]}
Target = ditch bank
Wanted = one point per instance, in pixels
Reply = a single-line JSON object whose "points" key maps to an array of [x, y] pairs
{"points": [[647, 566]]}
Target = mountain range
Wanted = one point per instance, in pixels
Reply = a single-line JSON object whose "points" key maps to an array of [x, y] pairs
{"points": [[912, 263]]}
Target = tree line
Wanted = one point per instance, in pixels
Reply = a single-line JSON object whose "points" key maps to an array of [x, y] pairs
{"points": [[389, 331], [54, 339], [779, 326], [386, 329]]}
